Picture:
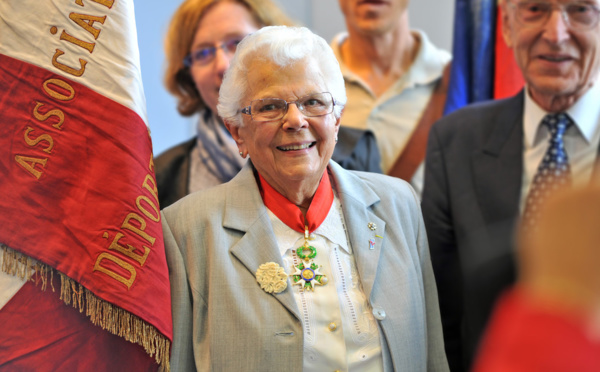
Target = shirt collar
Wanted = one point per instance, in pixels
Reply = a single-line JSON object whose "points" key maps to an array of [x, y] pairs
{"points": [[426, 68], [290, 214], [585, 114], [332, 229], [429, 62]]}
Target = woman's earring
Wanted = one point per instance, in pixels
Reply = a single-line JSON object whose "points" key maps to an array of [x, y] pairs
{"points": [[241, 154], [336, 139]]}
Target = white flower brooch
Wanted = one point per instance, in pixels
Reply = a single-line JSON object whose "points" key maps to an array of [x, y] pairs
{"points": [[271, 277]]}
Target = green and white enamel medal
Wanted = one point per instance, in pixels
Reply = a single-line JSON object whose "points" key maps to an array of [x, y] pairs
{"points": [[308, 274]]}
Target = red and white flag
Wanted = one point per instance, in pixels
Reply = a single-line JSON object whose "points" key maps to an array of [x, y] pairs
{"points": [[83, 276]]}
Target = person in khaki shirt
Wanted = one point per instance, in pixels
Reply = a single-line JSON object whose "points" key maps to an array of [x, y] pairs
{"points": [[391, 73]]}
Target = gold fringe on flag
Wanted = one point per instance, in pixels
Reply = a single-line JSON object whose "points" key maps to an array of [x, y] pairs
{"points": [[101, 313]]}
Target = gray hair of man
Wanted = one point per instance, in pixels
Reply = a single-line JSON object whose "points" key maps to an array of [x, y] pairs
{"points": [[283, 46]]}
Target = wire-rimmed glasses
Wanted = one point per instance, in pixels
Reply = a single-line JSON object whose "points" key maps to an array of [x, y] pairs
{"points": [[578, 15], [206, 55], [268, 109]]}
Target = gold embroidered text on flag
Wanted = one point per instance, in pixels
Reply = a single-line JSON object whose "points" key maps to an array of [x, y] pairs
{"points": [[79, 193]]}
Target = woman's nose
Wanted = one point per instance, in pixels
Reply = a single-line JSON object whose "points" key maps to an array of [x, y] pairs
{"points": [[294, 119], [222, 60]]}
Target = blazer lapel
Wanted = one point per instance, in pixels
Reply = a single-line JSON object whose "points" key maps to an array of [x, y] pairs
{"points": [[245, 212], [498, 167], [362, 224]]}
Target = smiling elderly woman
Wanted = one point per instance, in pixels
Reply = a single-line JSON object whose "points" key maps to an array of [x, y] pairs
{"points": [[297, 264]]}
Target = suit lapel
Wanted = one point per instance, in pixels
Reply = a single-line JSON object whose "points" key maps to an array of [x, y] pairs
{"points": [[356, 199], [245, 212], [367, 259], [498, 167]]}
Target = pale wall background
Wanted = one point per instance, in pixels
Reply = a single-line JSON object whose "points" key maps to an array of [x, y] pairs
{"points": [[168, 128]]}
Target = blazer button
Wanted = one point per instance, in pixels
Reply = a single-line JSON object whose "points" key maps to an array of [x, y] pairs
{"points": [[379, 313]]}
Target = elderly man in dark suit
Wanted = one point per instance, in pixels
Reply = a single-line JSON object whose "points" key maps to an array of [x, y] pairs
{"points": [[490, 165]]}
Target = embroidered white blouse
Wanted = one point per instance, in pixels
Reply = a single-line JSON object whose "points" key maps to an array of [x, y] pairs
{"points": [[340, 333]]}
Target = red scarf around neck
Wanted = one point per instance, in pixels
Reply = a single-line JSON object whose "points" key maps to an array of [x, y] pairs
{"points": [[290, 214]]}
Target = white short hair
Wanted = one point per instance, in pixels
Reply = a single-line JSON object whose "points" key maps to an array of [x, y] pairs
{"points": [[282, 46]]}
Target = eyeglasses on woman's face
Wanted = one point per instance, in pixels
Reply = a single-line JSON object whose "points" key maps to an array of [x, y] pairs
{"points": [[204, 56], [269, 109]]}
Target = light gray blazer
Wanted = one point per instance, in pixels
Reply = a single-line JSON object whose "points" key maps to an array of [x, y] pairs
{"points": [[223, 321]]}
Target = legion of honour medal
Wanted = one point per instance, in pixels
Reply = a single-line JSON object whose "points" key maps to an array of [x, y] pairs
{"points": [[308, 274]]}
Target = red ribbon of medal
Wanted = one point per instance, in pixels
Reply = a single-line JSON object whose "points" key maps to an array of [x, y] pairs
{"points": [[307, 274]]}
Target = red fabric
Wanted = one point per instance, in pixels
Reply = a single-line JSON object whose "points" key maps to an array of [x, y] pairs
{"points": [[526, 336], [290, 214], [91, 179], [508, 79], [40, 333]]}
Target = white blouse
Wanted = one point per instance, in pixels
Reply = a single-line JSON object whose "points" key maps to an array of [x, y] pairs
{"points": [[340, 333]]}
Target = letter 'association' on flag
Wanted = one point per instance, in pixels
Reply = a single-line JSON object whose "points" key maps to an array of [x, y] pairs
{"points": [[83, 280]]}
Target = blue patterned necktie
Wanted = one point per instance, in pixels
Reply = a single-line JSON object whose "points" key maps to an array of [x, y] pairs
{"points": [[553, 172]]}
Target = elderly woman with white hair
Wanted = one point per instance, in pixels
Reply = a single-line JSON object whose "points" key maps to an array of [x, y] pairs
{"points": [[297, 264]]}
